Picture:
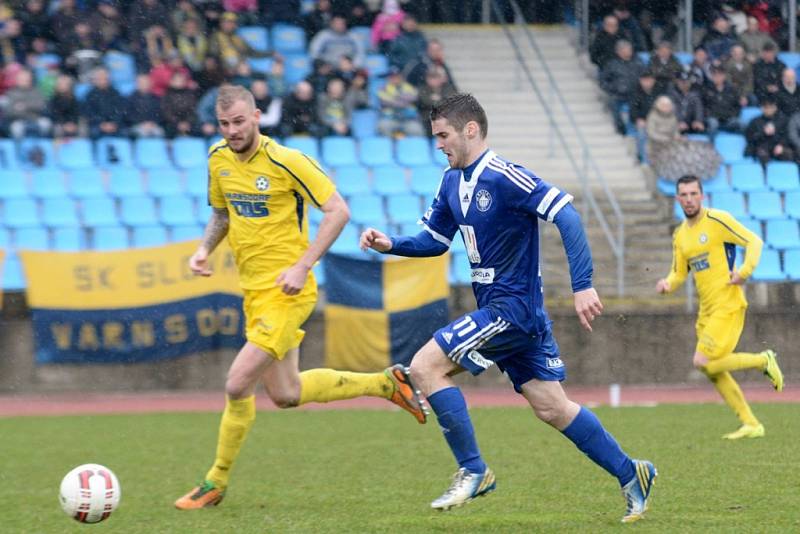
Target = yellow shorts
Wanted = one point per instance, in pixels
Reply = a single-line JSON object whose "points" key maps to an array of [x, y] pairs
{"points": [[718, 333], [274, 320]]}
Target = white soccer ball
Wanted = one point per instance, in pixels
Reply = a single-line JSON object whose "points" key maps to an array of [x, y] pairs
{"points": [[89, 493]]}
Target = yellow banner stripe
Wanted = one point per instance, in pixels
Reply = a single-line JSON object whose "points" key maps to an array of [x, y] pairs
{"points": [[413, 282]]}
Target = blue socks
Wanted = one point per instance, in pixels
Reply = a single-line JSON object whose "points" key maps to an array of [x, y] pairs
{"points": [[588, 434], [451, 412]]}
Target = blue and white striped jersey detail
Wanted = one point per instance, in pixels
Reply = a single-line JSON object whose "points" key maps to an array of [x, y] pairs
{"points": [[477, 339], [497, 213]]}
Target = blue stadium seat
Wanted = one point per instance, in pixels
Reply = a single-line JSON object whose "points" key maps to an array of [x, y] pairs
{"points": [[791, 262], [36, 152], [667, 187], [138, 211], [790, 59], [187, 232], [260, 65], [81, 89], [176, 210], [13, 275], [377, 65], [68, 239], [75, 154], [438, 156], [150, 152], [203, 212], [84, 183], [48, 183], [413, 151], [110, 238], [754, 225], [765, 205], [783, 233], [125, 182], [347, 242], [5, 239], [352, 180], [782, 176], [364, 123], [121, 66], [677, 211], [730, 201], [13, 184], [288, 39], [164, 181], [255, 36], [99, 211], [338, 151], [125, 88], [296, 67], [314, 216], [792, 204], [60, 211], [364, 35], [34, 238], [366, 208], [461, 271], [389, 180], [113, 152], [730, 146], [21, 212], [644, 57], [197, 182], [8, 154], [374, 151], [410, 228], [769, 268], [188, 152], [319, 274], [149, 236], [425, 179], [749, 113], [306, 145], [404, 208], [684, 58], [747, 176], [698, 137]]}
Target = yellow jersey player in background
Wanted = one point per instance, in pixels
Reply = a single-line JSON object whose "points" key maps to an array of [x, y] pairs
{"points": [[706, 243], [260, 192]]}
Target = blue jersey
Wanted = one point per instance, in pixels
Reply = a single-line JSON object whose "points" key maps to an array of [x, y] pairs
{"points": [[497, 211]]}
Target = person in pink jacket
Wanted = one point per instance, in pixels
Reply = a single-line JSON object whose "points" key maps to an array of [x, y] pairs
{"points": [[386, 26]]}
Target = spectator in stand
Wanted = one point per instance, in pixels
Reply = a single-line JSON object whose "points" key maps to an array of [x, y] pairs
{"points": [[270, 107], [358, 90], [753, 40], [35, 21], [768, 135], [602, 49], [321, 74], [619, 79], [162, 71], [142, 17], [736, 17], [700, 69], [793, 134], [688, 105], [186, 10], [243, 75], [318, 18], [739, 71], [629, 27], [719, 39], [276, 79], [721, 103], [206, 112], [386, 26], [104, 108], [107, 26], [641, 103], [229, 47], [211, 11], [434, 58], [767, 72], [299, 115], [246, 10], [64, 109], [144, 110], [178, 107], [192, 45], [334, 108], [211, 76], [409, 47], [435, 89], [346, 70], [331, 44], [788, 95], [62, 23], [26, 108], [664, 66], [359, 15], [398, 101], [12, 43], [158, 43]]}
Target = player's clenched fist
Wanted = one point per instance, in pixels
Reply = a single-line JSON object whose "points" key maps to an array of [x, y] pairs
{"points": [[372, 238]]}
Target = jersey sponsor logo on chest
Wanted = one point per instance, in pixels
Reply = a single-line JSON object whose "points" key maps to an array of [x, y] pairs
{"points": [[483, 276]]}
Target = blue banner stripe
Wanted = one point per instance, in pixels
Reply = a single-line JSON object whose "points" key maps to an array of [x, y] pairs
{"points": [[410, 330], [353, 282]]}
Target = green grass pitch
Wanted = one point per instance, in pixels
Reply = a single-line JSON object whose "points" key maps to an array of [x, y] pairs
{"points": [[376, 472]]}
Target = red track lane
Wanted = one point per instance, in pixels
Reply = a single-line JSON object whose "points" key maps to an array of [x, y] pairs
{"points": [[212, 401]]}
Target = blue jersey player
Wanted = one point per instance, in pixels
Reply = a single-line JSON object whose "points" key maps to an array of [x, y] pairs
{"points": [[497, 205]]}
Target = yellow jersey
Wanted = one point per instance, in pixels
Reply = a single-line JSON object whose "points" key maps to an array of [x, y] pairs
{"points": [[267, 199], [708, 248]]}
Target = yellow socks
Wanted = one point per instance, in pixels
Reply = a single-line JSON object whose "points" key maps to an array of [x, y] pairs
{"points": [[734, 398], [325, 385], [236, 421], [736, 362]]}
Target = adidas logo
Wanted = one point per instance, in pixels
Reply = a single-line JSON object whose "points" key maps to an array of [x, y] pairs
{"points": [[448, 336]]}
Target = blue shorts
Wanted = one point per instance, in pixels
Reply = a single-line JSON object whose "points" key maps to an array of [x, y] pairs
{"points": [[479, 339]]}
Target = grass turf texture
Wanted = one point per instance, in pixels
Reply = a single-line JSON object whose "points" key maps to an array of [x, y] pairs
{"points": [[374, 471]]}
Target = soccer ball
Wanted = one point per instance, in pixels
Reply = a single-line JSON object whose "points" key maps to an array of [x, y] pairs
{"points": [[89, 493]]}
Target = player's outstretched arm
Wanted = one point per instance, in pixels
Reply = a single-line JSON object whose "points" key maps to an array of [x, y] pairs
{"points": [[375, 240], [216, 230], [587, 306], [422, 245]]}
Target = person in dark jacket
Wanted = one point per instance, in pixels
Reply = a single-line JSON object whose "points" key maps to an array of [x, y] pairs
{"points": [[641, 103], [299, 115], [409, 47], [144, 110], [688, 105], [788, 95], [721, 103], [767, 136], [64, 108], [602, 48], [178, 107], [104, 108], [664, 66], [767, 72], [619, 79], [719, 39]]}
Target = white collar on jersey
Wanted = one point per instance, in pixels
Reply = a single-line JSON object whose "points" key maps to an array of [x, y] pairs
{"points": [[465, 188]]}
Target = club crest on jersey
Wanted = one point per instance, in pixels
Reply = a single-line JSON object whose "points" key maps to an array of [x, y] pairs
{"points": [[703, 238], [483, 199], [262, 183], [225, 172]]}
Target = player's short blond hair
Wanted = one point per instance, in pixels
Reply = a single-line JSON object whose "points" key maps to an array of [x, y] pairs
{"points": [[230, 94]]}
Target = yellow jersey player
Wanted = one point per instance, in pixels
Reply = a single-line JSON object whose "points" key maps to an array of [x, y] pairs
{"points": [[260, 192], [706, 244]]}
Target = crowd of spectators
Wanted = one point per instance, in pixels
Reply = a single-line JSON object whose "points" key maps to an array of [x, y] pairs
{"points": [[54, 80]]}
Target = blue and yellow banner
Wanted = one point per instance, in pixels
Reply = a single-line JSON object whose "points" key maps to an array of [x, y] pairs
{"points": [[381, 312], [131, 305]]}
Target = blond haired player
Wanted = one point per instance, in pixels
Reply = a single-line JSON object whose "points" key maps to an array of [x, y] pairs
{"points": [[706, 243], [260, 192]]}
